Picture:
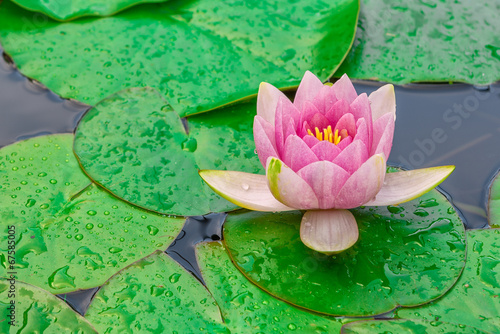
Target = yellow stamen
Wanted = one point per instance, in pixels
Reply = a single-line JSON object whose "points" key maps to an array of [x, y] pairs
{"points": [[328, 134]]}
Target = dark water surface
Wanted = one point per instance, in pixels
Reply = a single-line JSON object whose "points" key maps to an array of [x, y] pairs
{"points": [[436, 125]]}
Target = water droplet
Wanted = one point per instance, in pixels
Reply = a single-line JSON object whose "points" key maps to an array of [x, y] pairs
{"points": [[421, 213], [292, 327], [153, 230], [395, 209], [30, 202], [114, 250], [190, 145], [91, 213], [245, 186], [174, 278], [60, 279], [79, 237], [52, 181], [89, 226], [42, 174]]}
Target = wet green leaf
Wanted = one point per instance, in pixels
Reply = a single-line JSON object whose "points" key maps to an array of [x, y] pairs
{"points": [[246, 308], [426, 41], [67, 10], [406, 326], [474, 300], [69, 234], [37, 311], [199, 54], [155, 295], [402, 257], [494, 203], [137, 148]]}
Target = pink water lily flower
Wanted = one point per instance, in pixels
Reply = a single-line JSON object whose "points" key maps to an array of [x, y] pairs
{"points": [[325, 153]]}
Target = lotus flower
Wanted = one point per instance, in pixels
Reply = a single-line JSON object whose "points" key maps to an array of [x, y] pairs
{"points": [[325, 153]]}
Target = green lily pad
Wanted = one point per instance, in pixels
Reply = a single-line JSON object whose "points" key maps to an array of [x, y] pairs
{"points": [[474, 300], [246, 308], [158, 288], [494, 202], [406, 255], [426, 41], [199, 54], [406, 326], [37, 311], [68, 10], [69, 233], [135, 146], [155, 295]]}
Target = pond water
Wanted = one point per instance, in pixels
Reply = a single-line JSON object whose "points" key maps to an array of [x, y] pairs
{"points": [[437, 124]]}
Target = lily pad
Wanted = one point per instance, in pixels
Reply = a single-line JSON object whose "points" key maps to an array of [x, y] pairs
{"points": [[67, 10], [135, 146], [474, 300], [37, 311], [426, 41], [405, 326], [155, 295], [246, 308], [406, 255], [494, 202], [69, 233], [199, 54]]}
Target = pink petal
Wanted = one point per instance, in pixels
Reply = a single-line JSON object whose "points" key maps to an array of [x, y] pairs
{"points": [[326, 179], [344, 143], [263, 134], [308, 89], [360, 108], [289, 188], [362, 133], [404, 186], [319, 121], [346, 122], [325, 99], [329, 231], [267, 101], [383, 132], [352, 157], [383, 101], [311, 141], [247, 190], [308, 112], [290, 128], [325, 150], [297, 153], [285, 111], [344, 90], [363, 184], [338, 109]]}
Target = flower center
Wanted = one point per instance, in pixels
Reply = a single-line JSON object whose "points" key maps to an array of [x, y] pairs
{"points": [[329, 135]]}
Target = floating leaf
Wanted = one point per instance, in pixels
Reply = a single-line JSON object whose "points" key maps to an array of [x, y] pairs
{"points": [[246, 308], [199, 54], [37, 311], [155, 295], [474, 300], [69, 234], [426, 41], [405, 326], [494, 202], [158, 288], [135, 146], [406, 255], [67, 10]]}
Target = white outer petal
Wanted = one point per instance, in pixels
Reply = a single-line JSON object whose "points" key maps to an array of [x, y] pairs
{"points": [[404, 186], [250, 191]]}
